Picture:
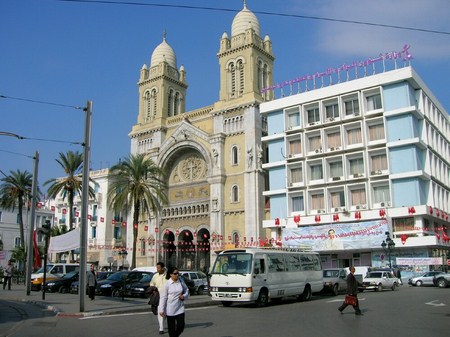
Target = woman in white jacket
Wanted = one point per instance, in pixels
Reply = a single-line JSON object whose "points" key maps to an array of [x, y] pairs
{"points": [[171, 302]]}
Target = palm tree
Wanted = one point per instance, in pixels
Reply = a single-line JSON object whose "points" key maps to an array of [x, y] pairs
{"points": [[138, 185], [71, 185], [16, 192]]}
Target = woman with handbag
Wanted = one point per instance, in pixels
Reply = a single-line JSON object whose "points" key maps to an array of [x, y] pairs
{"points": [[352, 293]]}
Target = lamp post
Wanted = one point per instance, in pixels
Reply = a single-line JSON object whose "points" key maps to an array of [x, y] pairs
{"points": [[388, 246], [123, 253]]}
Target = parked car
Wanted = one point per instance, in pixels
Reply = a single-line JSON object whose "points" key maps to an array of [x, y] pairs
{"points": [[442, 280], [114, 284], [101, 275], [334, 280], [62, 284], [138, 288], [424, 279], [200, 280], [379, 280]]}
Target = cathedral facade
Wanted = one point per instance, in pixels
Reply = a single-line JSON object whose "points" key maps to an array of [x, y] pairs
{"points": [[212, 155]]}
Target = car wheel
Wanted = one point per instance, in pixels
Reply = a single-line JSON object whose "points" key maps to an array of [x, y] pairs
{"points": [[115, 292], [263, 299], [63, 290], [395, 285], [335, 289], [200, 291], [306, 296], [379, 287], [418, 283], [227, 303], [442, 283]]}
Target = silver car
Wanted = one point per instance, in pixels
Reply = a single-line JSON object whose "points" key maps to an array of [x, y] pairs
{"points": [[424, 279], [200, 279]]}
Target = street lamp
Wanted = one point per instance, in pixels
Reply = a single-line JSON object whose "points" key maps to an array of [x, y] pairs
{"points": [[123, 253], [388, 246]]}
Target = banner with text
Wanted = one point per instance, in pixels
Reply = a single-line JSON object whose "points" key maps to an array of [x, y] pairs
{"points": [[337, 236]]}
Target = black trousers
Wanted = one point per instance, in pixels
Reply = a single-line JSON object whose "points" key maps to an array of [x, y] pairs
{"points": [[7, 279], [175, 325], [356, 307], [91, 292]]}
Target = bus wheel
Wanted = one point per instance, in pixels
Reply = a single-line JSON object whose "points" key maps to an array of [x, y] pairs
{"points": [[226, 303], [306, 296], [263, 299]]}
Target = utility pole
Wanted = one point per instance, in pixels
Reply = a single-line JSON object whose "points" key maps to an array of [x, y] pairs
{"points": [[31, 223], [84, 203]]}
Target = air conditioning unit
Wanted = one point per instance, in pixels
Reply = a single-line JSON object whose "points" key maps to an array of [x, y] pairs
{"points": [[364, 206], [332, 148], [290, 156], [356, 114], [356, 175], [337, 209], [317, 150], [358, 207], [320, 211], [313, 123], [379, 172], [336, 178], [289, 184], [382, 204], [373, 173]]}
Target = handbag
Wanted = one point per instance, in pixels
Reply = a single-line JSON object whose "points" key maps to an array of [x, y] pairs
{"points": [[351, 300]]}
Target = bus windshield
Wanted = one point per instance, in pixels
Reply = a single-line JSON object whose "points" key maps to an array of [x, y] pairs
{"points": [[233, 263]]}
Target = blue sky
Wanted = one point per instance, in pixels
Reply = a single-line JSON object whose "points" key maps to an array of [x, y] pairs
{"points": [[68, 53]]}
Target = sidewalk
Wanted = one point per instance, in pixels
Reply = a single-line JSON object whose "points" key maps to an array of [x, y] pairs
{"points": [[69, 304]]}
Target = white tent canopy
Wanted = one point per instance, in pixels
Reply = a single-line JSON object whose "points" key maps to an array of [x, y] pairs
{"points": [[65, 242]]}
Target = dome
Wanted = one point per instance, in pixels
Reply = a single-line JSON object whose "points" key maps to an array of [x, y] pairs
{"points": [[243, 20], [163, 52]]}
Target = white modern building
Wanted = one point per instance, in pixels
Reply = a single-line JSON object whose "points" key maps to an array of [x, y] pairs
{"points": [[355, 160]]}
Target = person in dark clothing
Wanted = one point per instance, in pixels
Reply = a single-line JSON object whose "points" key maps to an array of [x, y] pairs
{"points": [[352, 290], [91, 282]]}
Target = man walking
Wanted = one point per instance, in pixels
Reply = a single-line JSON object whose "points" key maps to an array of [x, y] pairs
{"points": [[352, 290], [7, 274], [158, 281]]}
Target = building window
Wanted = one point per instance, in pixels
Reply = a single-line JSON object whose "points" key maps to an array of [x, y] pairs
{"points": [[117, 232], [234, 155], [334, 140], [376, 132], [332, 111], [358, 196], [177, 104], [240, 68], [336, 169], [354, 136], [317, 201], [295, 147], [148, 100], [337, 199], [296, 175], [153, 105], [374, 102], [313, 115], [293, 119], [17, 242], [235, 238], [378, 162], [93, 232], [298, 205], [351, 106], [381, 194], [235, 194], [315, 143], [316, 172], [142, 247], [356, 166], [232, 80]]}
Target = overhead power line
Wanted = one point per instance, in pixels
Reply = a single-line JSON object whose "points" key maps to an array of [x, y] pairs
{"points": [[41, 102], [125, 3]]}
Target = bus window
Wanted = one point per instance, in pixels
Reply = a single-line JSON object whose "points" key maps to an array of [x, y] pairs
{"points": [[259, 266], [276, 262], [293, 262]]}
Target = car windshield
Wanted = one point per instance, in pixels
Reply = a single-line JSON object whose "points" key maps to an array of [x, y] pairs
{"points": [[374, 275], [117, 276], [70, 275], [331, 273], [146, 278]]}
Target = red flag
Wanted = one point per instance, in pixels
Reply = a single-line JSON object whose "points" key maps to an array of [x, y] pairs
{"points": [[37, 258]]}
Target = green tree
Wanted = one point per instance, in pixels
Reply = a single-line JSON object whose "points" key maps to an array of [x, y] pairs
{"points": [[15, 192], [71, 185], [137, 185]]}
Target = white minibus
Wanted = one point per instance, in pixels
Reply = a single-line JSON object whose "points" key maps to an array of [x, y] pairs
{"points": [[259, 275]]}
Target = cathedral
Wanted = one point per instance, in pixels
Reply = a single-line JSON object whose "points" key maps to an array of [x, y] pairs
{"points": [[212, 155]]}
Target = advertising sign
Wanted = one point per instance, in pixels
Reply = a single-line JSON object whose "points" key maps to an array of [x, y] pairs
{"points": [[337, 236]]}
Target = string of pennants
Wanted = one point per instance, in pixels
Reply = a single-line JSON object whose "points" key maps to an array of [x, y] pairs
{"points": [[187, 246]]}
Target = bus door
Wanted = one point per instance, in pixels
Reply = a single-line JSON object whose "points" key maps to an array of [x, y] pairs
{"points": [[259, 272]]}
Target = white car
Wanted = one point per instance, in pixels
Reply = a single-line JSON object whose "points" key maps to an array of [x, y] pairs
{"points": [[379, 280]]}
